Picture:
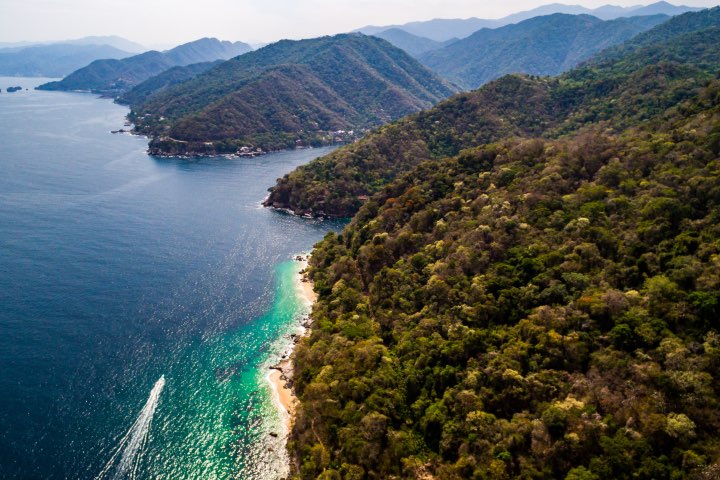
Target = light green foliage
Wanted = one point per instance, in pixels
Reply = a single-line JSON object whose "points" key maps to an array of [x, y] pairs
{"points": [[529, 308], [581, 473], [679, 426]]}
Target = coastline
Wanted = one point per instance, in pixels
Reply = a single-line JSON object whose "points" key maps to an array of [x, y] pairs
{"points": [[158, 152], [280, 375]]}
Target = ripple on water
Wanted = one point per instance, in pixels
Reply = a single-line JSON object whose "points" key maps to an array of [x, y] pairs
{"points": [[118, 268]]}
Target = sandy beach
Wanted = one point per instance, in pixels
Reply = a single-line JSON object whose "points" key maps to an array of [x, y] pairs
{"points": [[308, 289], [283, 392], [280, 376]]}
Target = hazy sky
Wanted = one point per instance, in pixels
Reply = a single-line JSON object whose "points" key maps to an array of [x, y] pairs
{"points": [[176, 21]]}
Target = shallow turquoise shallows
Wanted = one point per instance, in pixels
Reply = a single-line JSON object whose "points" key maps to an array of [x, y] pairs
{"points": [[141, 300]]}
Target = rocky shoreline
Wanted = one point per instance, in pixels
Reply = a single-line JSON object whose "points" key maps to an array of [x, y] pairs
{"points": [[298, 212]]}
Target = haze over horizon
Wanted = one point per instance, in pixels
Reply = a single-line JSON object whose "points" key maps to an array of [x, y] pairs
{"points": [[163, 22]]}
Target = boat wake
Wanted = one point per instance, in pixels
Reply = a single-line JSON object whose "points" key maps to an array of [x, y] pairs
{"points": [[125, 460]]}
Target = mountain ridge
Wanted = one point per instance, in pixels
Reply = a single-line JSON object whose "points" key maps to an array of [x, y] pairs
{"points": [[158, 83], [445, 29], [344, 83], [112, 77], [115, 41], [412, 44], [545, 45], [329, 186]]}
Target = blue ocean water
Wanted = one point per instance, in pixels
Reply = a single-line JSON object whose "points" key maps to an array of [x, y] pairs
{"points": [[118, 270]]}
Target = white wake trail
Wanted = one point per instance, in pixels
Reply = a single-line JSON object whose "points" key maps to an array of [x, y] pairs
{"points": [[130, 447]]}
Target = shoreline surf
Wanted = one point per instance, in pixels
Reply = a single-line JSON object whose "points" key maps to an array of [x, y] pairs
{"points": [[280, 375]]}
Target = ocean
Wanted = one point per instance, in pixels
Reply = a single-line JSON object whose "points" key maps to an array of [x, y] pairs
{"points": [[142, 299]]}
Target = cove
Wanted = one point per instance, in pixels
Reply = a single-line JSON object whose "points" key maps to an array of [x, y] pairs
{"points": [[118, 269]]}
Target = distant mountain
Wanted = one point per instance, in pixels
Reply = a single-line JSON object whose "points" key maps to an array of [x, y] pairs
{"points": [[53, 60], [412, 44], [287, 92], [659, 8], [439, 30], [547, 45], [117, 76], [445, 29], [111, 40], [17, 45]]}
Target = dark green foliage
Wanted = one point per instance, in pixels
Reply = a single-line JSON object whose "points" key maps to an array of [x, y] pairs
{"points": [[290, 91], [118, 76], [547, 45], [164, 80], [531, 308], [650, 74]]}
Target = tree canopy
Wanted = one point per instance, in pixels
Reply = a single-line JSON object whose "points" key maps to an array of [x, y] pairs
{"points": [[541, 304]]}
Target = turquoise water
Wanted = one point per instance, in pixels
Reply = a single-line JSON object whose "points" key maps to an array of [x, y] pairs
{"points": [[141, 300]]}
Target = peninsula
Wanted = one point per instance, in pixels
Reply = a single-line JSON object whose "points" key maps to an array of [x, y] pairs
{"points": [[291, 93]]}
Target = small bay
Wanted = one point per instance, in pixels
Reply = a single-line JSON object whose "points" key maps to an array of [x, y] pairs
{"points": [[118, 269]]}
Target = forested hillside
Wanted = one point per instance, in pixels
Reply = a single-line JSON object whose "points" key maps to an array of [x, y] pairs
{"points": [[289, 93], [547, 45], [166, 79], [620, 87], [539, 306]]}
